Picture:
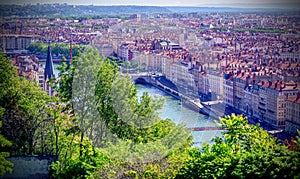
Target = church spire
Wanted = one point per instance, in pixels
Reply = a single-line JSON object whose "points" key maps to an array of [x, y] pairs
{"points": [[49, 69]]}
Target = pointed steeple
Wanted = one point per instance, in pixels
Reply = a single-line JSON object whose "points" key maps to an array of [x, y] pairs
{"points": [[49, 69]]}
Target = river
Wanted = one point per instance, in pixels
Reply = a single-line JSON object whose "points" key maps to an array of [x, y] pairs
{"points": [[178, 113]]}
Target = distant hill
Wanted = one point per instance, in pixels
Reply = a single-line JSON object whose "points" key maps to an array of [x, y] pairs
{"points": [[75, 10], [231, 8], [275, 5], [66, 10]]}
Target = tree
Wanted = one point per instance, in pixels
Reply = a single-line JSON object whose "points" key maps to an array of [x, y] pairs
{"points": [[83, 92], [38, 47], [63, 86], [57, 48], [5, 165], [146, 146], [244, 151], [112, 121], [78, 156], [24, 113], [24, 116]]}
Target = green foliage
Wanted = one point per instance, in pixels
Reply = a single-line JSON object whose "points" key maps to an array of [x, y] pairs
{"points": [[5, 165], [6, 73], [146, 146], [23, 114], [66, 75], [83, 94], [76, 165], [7, 77], [116, 60], [244, 151], [57, 48], [131, 139], [160, 158], [26, 118]]}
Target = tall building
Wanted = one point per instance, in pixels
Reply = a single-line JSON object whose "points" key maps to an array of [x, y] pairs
{"points": [[12, 42], [293, 114], [49, 72], [272, 101], [228, 90]]}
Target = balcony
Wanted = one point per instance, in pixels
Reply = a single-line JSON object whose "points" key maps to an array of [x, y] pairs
{"points": [[262, 104], [262, 109]]}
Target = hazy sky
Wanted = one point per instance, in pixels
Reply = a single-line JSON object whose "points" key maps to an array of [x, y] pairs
{"points": [[146, 2]]}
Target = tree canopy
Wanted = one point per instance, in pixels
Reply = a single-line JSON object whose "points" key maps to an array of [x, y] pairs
{"points": [[243, 151], [57, 48]]}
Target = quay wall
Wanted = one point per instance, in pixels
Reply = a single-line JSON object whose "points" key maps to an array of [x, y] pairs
{"points": [[186, 101]]}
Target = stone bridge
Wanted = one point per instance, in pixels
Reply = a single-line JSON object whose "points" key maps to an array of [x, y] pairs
{"points": [[140, 77]]}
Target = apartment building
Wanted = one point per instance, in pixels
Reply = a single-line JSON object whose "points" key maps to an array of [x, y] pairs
{"points": [[251, 101], [272, 102], [16, 42], [292, 123], [216, 82], [180, 76], [228, 90], [125, 53], [105, 49], [203, 85], [239, 84], [291, 56]]}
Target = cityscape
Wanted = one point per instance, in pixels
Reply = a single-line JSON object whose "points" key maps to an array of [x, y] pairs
{"points": [[210, 64]]}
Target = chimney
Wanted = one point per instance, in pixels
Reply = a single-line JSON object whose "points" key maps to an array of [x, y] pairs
{"points": [[270, 83], [281, 85]]}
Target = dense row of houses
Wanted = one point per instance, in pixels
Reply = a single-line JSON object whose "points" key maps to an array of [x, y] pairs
{"points": [[254, 88], [256, 73]]}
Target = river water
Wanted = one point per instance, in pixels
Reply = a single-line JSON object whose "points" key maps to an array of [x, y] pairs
{"points": [[178, 113]]}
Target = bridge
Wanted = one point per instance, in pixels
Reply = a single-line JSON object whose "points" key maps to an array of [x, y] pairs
{"points": [[139, 77], [205, 128]]}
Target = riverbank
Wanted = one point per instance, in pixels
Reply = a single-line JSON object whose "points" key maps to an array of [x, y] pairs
{"points": [[191, 103]]}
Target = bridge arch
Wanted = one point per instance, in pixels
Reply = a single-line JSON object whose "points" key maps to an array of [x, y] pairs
{"points": [[140, 80]]}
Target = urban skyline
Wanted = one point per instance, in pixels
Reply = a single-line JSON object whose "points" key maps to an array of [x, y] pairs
{"points": [[210, 3]]}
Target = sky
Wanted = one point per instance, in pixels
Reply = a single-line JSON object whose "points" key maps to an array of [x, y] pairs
{"points": [[150, 2]]}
